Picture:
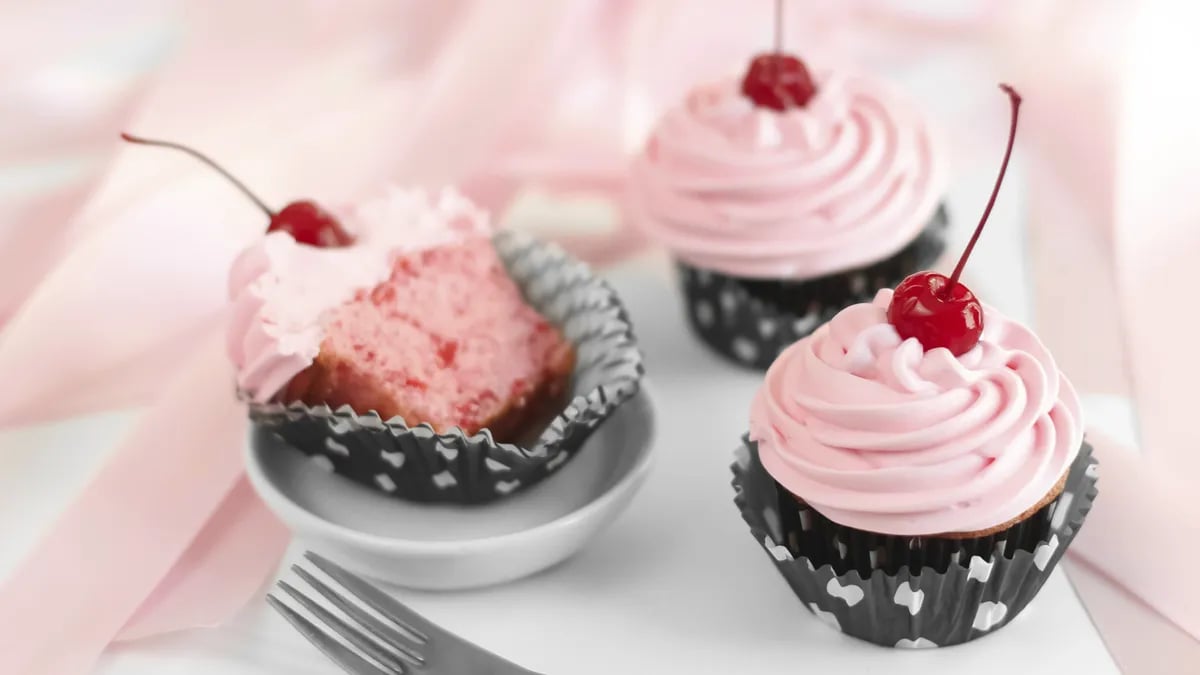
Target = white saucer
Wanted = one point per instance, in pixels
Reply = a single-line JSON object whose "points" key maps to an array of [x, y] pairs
{"points": [[441, 547]]}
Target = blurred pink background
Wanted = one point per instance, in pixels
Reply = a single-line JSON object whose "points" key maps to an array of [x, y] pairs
{"points": [[113, 259]]}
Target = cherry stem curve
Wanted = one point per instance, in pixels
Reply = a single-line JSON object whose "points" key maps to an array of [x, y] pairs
{"points": [[1015, 99], [207, 160]]}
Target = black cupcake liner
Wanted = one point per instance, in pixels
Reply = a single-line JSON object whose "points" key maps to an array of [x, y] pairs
{"points": [[750, 321], [825, 542], [910, 592], [419, 464]]}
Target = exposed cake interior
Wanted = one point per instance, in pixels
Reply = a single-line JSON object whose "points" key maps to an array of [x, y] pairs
{"points": [[447, 340]]}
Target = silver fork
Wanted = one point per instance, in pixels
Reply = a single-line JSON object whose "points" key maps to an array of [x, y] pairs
{"points": [[409, 644]]}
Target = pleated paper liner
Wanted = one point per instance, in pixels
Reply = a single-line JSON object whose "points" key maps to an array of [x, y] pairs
{"points": [[751, 320], [416, 463], [910, 592]]}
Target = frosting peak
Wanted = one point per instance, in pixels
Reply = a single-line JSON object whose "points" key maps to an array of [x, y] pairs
{"points": [[878, 434], [845, 181], [281, 290]]}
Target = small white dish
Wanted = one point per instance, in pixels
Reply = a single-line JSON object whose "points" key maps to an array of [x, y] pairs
{"points": [[444, 547]]}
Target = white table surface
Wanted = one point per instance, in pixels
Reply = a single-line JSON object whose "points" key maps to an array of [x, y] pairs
{"points": [[676, 585]]}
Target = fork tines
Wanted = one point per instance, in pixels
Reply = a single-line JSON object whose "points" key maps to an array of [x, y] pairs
{"points": [[369, 645]]}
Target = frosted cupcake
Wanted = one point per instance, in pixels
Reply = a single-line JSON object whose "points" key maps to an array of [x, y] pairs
{"points": [[417, 319], [916, 467], [785, 197], [404, 343]]}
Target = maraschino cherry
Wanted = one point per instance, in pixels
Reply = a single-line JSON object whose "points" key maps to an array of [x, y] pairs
{"points": [[307, 222], [940, 311], [778, 80]]}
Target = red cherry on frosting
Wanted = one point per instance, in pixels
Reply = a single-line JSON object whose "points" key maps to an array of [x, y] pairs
{"points": [[307, 222], [922, 308], [310, 224], [778, 81], [937, 310]]}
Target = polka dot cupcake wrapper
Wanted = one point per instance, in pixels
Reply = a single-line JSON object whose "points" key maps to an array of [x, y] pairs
{"points": [[911, 605], [751, 321], [845, 548], [419, 464]]}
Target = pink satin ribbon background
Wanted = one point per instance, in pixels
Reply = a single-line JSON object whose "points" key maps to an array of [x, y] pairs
{"points": [[555, 97]]}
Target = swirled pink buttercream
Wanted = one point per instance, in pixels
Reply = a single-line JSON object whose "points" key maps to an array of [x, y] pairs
{"points": [[878, 434], [281, 291], [848, 180]]}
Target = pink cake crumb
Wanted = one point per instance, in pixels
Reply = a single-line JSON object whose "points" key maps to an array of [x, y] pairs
{"points": [[447, 340]]}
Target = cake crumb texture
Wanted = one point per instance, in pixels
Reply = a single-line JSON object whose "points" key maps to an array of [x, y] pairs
{"points": [[447, 340]]}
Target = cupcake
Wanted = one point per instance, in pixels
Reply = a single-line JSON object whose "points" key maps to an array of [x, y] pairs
{"points": [[784, 197], [916, 467], [405, 344]]}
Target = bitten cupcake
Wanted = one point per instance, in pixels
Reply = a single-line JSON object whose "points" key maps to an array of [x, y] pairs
{"points": [[916, 467], [407, 345], [785, 197]]}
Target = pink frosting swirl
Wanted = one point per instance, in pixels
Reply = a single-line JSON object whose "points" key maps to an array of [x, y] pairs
{"points": [[281, 291], [878, 434], [848, 180]]}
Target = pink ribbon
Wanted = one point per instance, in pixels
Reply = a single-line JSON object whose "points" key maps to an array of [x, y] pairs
{"points": [[127, 270], [1107, 238], [168, 520]]}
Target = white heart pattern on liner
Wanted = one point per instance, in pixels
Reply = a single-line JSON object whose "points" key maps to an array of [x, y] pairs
{"points": [[728, 301], [806, 323], [506, 486], [444, 480], [907, 597], [1061, 509], [767, 328], [850, 594], [989, 615], [919, 643], [396, 459], [1043, 553], [385, 482], [322, 462], [745, 349], [980, 569], [336, 448], [450, 453], [705, 314], [777, 552]]}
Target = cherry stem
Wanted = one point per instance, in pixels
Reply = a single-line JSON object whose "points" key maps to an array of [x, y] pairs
{"points": [[778, 26], [203, 158], [1015, 99]]}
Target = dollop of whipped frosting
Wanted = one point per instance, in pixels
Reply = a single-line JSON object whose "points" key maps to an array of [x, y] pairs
{"points": [[845, 181], [282, 291], [878, 434]]}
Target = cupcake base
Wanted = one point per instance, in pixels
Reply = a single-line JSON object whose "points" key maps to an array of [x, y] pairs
{"points": [[825, 542], [750, 321], [910, 592]]}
